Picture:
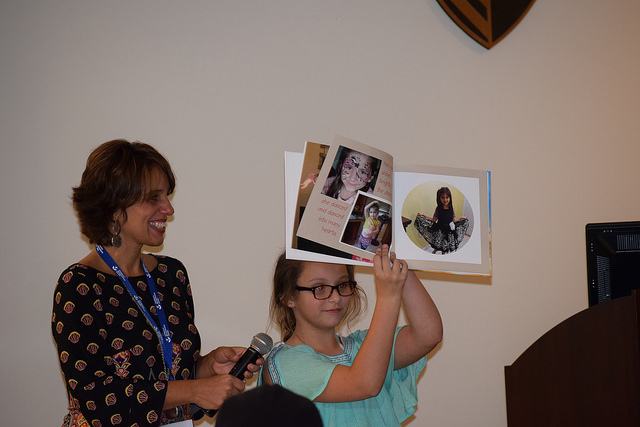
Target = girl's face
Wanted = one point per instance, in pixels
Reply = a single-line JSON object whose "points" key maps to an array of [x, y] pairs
{"points": [[147, 219], [320, 314], [373, 213], [445, 200], [356, 171]]}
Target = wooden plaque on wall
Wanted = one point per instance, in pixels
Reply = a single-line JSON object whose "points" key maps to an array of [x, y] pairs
{"points": [[486, 21]]}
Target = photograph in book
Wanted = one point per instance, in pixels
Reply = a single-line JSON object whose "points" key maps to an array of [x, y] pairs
{"points": [[346, 199], [445, 219], [301, 174], [334, 212]]}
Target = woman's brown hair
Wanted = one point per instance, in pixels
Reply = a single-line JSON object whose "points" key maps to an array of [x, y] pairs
{"points": [[115, 177]]}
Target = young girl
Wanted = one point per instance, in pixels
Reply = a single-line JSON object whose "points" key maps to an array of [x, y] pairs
{"points": [[444, 232], [371, 226], [369, 377], [355, 172]]}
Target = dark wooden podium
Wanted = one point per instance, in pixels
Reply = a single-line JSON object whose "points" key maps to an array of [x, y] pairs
{"points": [[583, 372]]}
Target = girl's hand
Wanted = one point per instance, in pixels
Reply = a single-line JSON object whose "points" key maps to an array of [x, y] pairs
{"points": [[390, 273]]}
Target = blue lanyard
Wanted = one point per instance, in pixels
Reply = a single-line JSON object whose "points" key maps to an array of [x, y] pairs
{"points": [[165, 336]]}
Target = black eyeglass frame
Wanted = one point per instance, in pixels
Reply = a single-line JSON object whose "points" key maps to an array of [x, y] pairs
{"points": [[351, 288]]}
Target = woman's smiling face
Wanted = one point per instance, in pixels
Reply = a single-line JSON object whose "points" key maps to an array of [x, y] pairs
{"points": [[146, 220]]}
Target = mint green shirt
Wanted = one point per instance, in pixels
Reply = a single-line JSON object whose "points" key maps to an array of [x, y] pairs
{"points": [[306, 372]]}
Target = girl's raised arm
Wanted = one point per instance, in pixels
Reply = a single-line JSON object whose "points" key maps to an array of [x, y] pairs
{"points": [[365, 377], [367, 207], [424, 329]]}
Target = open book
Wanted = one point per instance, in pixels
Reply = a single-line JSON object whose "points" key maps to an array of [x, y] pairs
{"points": [[346, 199]]}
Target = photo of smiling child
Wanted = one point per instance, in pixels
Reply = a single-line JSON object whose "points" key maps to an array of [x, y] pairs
{"points": [[352, 176], [369, 224], [352, 171], [444, 231]]}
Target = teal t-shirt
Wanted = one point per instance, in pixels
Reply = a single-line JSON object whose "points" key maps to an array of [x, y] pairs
{"points": [[306, 372]]}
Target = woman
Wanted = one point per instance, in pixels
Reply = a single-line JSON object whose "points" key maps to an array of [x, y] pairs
{"points": [[123, 321]]}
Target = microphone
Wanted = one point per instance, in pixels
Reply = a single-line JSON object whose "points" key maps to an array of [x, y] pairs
{"points": [[260, 345]]}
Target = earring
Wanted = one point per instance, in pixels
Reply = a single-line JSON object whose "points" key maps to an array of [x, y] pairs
{"points": [[116, 240]]}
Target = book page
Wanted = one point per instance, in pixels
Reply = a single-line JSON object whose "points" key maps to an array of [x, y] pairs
{"points": [[301, 172], [350, 207], [451, 238]]}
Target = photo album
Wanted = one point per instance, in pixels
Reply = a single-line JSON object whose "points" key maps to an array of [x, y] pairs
{"points": [[345, 200]]}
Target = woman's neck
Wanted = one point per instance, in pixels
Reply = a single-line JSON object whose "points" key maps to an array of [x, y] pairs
{"points": [[127, 258]]}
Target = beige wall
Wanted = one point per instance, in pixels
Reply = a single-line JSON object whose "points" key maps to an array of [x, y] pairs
{"points": [[224, 88]]}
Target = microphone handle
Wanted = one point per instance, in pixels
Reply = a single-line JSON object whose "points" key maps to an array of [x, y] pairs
{"points": [[238, 370], [249, 356], [197, 412]]}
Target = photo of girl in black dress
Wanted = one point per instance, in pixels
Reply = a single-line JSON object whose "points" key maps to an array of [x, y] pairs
{"points": [[443, 231]]}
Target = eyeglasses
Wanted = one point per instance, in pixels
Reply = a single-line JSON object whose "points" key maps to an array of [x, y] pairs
{"points": [[321, 292]]}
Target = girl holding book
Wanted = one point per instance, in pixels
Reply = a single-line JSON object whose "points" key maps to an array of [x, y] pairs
{"points": [[369, 377]]}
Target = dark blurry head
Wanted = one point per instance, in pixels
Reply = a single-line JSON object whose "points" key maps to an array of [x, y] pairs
{"points": [[268, 405]]}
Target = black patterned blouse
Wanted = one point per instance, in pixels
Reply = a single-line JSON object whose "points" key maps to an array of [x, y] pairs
{"points": [[108, 353]]}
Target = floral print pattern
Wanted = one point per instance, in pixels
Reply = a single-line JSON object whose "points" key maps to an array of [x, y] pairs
{"points": [[110, 356]]}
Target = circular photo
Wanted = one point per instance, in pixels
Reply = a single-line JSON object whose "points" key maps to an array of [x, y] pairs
{"points": [[437, 217]]}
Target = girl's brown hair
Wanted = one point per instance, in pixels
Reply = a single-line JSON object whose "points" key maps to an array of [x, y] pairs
{"points": [[285, 279]]}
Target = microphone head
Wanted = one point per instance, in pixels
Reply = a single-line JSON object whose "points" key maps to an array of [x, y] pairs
{"points": [[262, 342]]}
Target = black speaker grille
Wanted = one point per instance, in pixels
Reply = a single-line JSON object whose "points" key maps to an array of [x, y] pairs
{"points": [[604, 278], [628, 242]]}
